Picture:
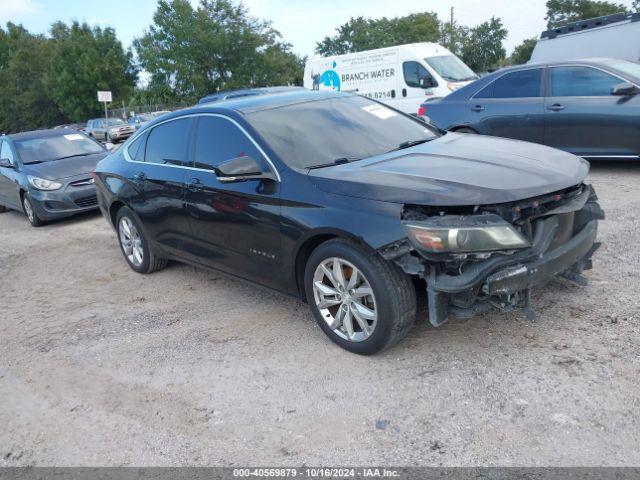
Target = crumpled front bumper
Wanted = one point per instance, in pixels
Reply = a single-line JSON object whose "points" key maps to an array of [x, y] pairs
{"points": [[521, 277], [505, 281]]}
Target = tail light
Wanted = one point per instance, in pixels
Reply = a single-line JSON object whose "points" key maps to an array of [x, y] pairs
{"points": [[422, 111]]}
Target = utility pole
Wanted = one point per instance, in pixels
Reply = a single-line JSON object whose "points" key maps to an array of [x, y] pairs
{"points": [[451, 32]]}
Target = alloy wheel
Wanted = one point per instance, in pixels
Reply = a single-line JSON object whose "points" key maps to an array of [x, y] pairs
{"points": [[28, 209], [345, 299], [131, 242]]}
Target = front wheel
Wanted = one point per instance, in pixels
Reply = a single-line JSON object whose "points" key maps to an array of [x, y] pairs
{"points": [[30, 212], [135, 245], [362, 302]]}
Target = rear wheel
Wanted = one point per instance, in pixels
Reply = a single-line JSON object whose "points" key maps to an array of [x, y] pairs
{"points": [[362, 302], [3, 209], [134, 244], [466, 130], [30, 212]]}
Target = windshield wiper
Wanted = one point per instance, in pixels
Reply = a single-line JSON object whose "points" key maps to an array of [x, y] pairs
{"points": [[77, 155], [337, 161], [409, 144]]}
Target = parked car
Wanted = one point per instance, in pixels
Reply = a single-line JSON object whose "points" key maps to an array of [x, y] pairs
{"points": [[140, 119], [590, 108], [73, 126], [47, 173], [402, 76], [354, 206], [244, 92], [110, 130]]}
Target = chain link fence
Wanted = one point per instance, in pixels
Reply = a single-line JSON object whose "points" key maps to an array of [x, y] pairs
{"points": [[129, 111]]}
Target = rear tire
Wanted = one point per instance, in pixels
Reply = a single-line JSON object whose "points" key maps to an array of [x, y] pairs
{"points": [[30, 212], [134, 244], [466, 130], [390, 306], [3, 209]]}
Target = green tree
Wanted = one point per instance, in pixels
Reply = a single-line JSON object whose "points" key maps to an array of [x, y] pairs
{"points": [[522, 53], [84, 60], [361, 33], [560, 12], [25, 103], [215, 46], [482, 47]]}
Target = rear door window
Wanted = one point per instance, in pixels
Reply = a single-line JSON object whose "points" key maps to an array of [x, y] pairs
{"points": [[520, 84], [168, 143], [581, 82], [136, 149]]}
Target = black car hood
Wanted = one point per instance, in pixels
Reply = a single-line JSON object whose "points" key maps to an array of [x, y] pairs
{"points": [[456, 169], [68, 167]]}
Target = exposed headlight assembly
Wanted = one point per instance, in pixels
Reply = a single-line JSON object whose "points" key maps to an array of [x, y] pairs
{"points": [[43, 183], [463, 234]]}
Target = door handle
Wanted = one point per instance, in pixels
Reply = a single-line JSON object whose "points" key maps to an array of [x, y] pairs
{"points": [[477, 108], [556, 107], [404, 92], [195, 185], [139, 177]]}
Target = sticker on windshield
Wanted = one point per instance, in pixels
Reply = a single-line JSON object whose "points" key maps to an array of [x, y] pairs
{"points": [[380, 111], [74, 136]]}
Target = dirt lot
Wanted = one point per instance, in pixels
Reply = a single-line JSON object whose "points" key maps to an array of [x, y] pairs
{"points": [[102, 366]]}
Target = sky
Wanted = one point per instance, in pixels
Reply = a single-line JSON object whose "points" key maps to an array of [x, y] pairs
{"points": [[301, 22]]}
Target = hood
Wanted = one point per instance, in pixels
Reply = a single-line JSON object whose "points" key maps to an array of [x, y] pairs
{"points": [[69, 167], [456, 169]]}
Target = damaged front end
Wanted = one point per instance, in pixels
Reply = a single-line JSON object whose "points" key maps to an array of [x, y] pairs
{"points": [[477, 258]]}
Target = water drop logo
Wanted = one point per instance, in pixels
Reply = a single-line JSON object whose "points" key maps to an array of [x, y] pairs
{"points": [[330, 80]]}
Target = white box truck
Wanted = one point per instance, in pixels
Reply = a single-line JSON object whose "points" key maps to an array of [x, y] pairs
{"points": [[613, 36], [402, 77]]}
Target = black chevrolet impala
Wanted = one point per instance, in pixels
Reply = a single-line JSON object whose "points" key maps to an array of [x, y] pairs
{"points": [[353, 206]]}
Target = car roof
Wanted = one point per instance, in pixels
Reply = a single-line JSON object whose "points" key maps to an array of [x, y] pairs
{"points": [[40, 134], [267, 102], [254, 103], [245, 92], [574, 61]]}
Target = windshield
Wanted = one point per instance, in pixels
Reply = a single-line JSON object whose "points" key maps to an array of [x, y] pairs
{"points": [[630, 68], [318, 133], [451, 68], [115, 121], [46, 149]]}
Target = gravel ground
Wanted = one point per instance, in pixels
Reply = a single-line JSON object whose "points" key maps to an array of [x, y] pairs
{"points": [[102, 366]]}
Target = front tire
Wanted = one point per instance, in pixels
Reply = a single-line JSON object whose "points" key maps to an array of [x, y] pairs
{"points": [[363, 303], [30, 212], [135, 245]]}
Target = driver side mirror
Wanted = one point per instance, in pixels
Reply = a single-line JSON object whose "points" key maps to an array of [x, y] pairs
{"points": [[427, 82], [625, 89], [242, 168], [6, 163]]}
